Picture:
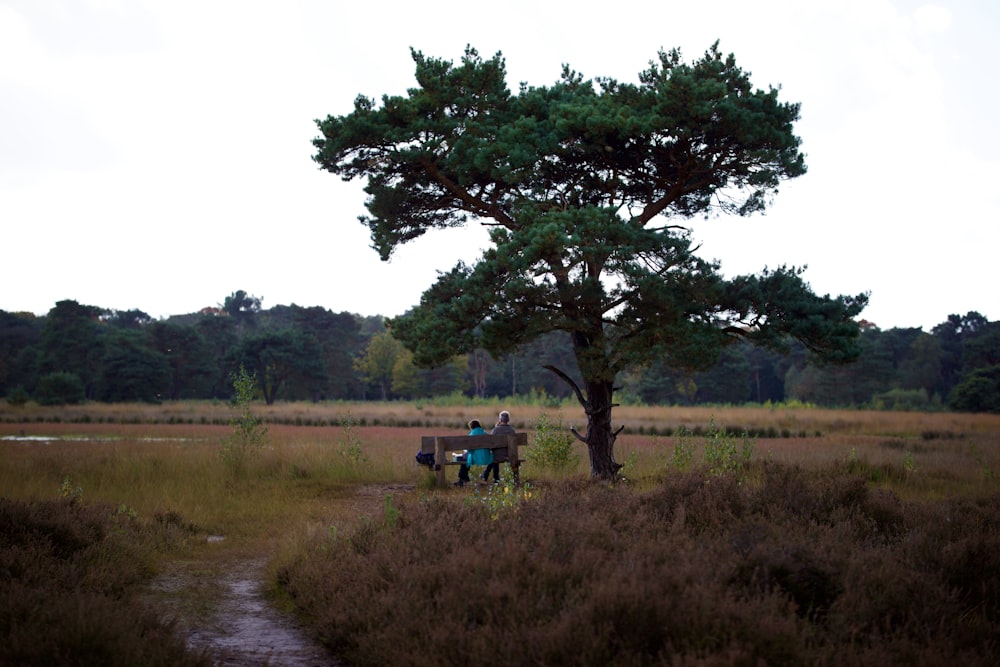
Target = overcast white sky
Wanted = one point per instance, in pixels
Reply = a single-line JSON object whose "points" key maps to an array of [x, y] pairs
{"points": [[156, 154]]}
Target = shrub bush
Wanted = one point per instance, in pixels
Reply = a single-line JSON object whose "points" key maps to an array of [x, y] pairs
{"points": [[904, 400], [782, 566], [17, 396], [59, 389], [69, 574], [552, 444]]}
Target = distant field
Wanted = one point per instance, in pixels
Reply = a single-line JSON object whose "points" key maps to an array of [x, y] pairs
{"points": [[943, 448], [786, 420]]}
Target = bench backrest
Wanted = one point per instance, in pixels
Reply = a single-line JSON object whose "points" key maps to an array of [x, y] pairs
{"points": [[506, 449], [459, 442]]}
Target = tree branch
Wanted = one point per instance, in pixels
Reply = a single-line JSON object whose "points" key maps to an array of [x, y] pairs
{"points": [[474, 204], [568, 380]]}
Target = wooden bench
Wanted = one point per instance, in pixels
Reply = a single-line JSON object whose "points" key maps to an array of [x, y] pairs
{"points": [[506, 449]]}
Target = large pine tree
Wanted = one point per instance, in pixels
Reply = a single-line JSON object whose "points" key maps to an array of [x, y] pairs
{"points": [[576, 182]]}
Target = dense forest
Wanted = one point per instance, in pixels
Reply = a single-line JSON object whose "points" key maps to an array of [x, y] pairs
{"points": [[77, 353]]}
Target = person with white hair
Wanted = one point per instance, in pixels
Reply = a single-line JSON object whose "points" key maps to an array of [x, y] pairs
{"points": [[503, 427]]}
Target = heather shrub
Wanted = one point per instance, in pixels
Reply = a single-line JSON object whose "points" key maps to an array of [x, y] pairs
{"points": [[775, 566], [68, 577]]}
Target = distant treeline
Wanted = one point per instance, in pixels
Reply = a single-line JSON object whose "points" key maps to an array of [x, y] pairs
{"points": [[77, 352]]}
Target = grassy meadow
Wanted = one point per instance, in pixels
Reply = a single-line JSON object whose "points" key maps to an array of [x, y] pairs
{"points": [[823, 537]]}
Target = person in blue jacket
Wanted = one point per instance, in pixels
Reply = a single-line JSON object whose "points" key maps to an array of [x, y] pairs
{"points": [[474, 457]]}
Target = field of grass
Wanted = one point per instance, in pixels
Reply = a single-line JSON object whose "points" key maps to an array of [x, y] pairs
{"points": [[820, 537]]}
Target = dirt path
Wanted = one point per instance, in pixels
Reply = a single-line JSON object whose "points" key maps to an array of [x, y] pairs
{"points": [[221, 610], [247, 631]]}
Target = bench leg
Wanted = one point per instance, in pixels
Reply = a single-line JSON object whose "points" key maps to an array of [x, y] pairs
{"points": [[439, 461], [514, 459]]}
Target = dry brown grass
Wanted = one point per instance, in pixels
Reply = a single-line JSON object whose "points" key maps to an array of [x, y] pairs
{"points": [[794, 420]]}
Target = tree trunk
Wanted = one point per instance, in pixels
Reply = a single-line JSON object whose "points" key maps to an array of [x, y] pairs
{"points": [[600, 437]]}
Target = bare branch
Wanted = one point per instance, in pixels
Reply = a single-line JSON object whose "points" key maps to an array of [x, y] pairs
{"points": [[576, 389]]}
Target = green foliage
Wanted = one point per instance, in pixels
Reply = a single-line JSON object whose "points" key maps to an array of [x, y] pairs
{"points": [[17, 396], [904, 369], [376, 364], [59, 388], [281, 357], [241, 306], [631, 461], [502, 497], [725, 453], [538, 396], [70, 342], [979, 391], [552, 444], [792, 404], [131, 370], [683, 452], [249, 432], [349, 443], [366, 536], [884, 473], [70, 491]]}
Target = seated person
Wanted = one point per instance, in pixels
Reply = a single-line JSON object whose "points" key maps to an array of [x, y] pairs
{"points": [[503, 427], [473, 456]]}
